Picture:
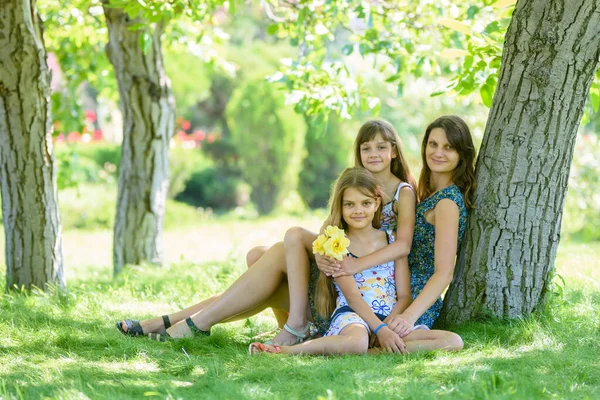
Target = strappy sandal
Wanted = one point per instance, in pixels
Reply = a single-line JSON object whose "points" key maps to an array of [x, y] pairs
{"points": [[165, 337], [258, 348], [301, 335], [135, 329]]}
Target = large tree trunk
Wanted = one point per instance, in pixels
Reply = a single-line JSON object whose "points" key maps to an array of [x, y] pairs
{"points": [[148, 111], [29, 195], [506, 262]]}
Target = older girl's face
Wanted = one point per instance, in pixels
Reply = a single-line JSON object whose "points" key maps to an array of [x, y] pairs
{"points": [[440, 155]]}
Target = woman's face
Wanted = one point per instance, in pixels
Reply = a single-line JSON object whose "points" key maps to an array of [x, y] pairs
{"points": [[440, 155]]}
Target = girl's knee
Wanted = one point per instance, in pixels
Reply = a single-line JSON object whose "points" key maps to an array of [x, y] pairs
{"points": [[254, 254], [356, 343], [294, 235], [454, 341]]}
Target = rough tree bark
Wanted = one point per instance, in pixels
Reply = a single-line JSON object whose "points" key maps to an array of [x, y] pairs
{"points": [[506, 262], [29, 194], [148, 110]]}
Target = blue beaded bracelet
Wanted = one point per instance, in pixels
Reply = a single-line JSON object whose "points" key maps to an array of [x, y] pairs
{"points": [[378, 328]]}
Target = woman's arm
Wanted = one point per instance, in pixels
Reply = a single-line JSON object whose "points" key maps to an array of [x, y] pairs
{"points": [[446, 242], [388, 340], [403, 299], [400, 248]]}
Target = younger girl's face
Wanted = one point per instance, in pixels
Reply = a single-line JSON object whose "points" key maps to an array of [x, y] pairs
{"points": [[358, 209], [441, 156], [376, 155]]}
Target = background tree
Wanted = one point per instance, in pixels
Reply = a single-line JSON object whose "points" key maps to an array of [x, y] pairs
{"points": [[148, 110], [29, 194]]}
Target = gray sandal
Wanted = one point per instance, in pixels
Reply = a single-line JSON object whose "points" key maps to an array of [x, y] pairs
{"points": [[301, 335], [135, 329]]}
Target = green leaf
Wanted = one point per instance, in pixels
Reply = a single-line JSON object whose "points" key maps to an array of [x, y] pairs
{"points": [[272, 29], [472, 11], [347, 49], [486, 93], [595, 98], [135, 27], [145, 42]]}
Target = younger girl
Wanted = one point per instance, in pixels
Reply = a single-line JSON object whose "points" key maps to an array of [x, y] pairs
{"points": [[367, 298]]}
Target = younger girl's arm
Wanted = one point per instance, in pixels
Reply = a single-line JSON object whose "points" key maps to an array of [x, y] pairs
{"points": [[400, 248], [388, 340], [446, 242]]}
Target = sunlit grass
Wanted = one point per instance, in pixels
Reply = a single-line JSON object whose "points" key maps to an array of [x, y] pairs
{"points": [[57, 345]]}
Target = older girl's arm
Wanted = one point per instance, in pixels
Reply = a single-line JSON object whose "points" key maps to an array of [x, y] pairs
{"points": [[401, 246], [446, 242]]}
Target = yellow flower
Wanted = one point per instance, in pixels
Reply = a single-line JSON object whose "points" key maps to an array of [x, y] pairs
{"points": [[336, 247], [318, 244], [334, 232]]}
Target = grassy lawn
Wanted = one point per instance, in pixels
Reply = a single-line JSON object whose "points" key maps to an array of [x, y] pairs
{"points": [[65, 345]]}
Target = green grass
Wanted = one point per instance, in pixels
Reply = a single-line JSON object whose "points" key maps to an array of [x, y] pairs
{"points": [[65, 346]]}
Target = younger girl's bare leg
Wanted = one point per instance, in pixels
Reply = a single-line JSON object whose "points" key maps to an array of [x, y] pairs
{"points": [[250, 291], [353, 339], [424, 340], [297, 241]]}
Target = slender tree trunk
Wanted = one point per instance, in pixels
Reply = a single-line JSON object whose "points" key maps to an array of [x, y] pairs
{"points": [[148, 111], [506, 262], [29, 195]]}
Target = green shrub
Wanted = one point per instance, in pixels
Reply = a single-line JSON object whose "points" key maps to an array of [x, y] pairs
{"points": [[327, 154], [99, 163], [581, 216], [216, 188], [265, 134]]}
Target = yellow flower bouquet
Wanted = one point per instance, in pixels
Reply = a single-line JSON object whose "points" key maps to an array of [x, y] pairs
{"points": [[332, 243]]}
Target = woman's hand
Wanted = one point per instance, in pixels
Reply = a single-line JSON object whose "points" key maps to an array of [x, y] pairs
{"points": [[390, 341], [327, 265], [347, 267], [399, 324]]}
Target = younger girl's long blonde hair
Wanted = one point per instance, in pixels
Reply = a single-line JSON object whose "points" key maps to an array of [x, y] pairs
{"points": [[367, 184]]}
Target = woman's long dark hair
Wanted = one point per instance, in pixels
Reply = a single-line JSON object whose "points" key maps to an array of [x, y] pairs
{"points": [[459, 136]]}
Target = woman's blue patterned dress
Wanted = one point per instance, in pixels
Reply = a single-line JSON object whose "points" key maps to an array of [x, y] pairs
{"points": [[421, 257]]}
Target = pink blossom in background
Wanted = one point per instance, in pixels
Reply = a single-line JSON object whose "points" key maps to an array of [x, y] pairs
{"points": [[211, 138], [90, 115], [186, 125], [181, 135], [97, 135], [74, 137], [199, 135], [60, 138]]}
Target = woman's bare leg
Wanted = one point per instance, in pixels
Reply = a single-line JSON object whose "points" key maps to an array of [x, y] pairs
{"points": [[251, 257], [296, 243], [156, 324], [250, 291], [353, 339]]}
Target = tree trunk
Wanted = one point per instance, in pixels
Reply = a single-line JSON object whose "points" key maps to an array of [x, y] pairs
{"points": [[29, 195], [148, 111], [506, 262]]}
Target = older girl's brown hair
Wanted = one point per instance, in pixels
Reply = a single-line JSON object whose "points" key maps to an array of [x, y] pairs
{"points": [[459, 136], [372, 128], [367, 184]]}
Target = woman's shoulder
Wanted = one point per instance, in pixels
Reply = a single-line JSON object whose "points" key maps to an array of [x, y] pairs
{"points": [[451, 192]]}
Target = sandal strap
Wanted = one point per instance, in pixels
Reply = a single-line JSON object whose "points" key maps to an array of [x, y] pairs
{"points": [[299, 334], [133, 327], [195, 330], [166, 321]]}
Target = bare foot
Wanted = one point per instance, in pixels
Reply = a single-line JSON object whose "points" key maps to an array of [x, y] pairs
{"points": [[286, 338]]}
